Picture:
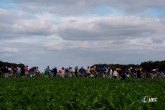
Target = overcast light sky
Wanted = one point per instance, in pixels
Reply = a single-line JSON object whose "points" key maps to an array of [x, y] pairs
{"points": [[81, 32]]}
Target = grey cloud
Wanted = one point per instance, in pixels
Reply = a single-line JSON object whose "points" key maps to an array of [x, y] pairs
{"points": [[16, 24], [30, 35], [79, 7], [117, 28], [82, 53], [32, 27], [7, 19], [111, 28], [7, 16]]}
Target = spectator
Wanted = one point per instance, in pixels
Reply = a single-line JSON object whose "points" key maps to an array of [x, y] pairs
{"points": [[26, 71], [18, 71], [54, 72]]}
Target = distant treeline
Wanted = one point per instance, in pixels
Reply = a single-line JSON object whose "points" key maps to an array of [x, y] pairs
{"points": [[14, 65], [147, 66]]}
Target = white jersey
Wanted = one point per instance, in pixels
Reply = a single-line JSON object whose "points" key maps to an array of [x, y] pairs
{"points": [[115, 73]]}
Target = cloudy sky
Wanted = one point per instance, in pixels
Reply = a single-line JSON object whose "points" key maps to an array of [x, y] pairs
{"points": [[81, 32]]}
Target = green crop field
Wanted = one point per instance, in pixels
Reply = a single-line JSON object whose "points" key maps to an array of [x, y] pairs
{"points": [[80, 93]]}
